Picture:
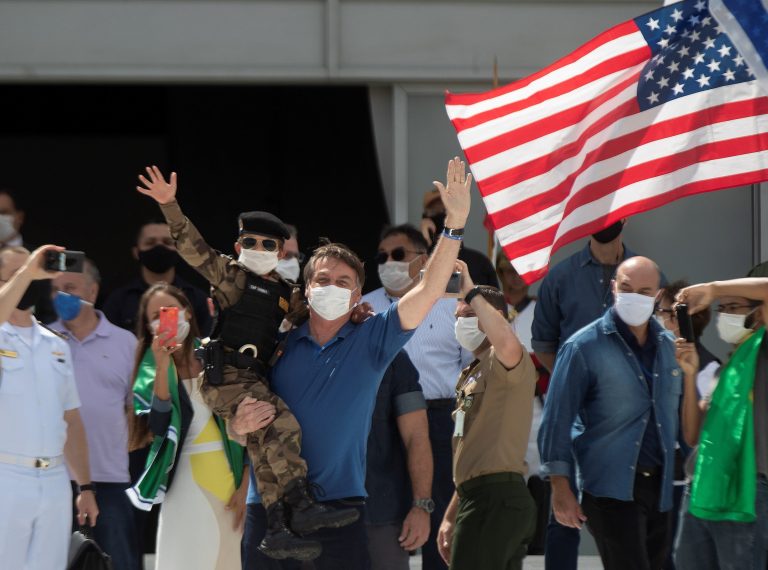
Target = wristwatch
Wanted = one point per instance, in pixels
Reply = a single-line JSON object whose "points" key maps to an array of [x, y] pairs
{"points": [[454, 233], [87, 487], [427, 505], [474, 292]]}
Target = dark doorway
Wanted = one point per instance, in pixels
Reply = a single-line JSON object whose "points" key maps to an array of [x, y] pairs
{"points": [[307, 154]]}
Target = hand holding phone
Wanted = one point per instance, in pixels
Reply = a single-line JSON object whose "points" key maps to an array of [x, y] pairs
{"points": [[169, 325], [684, 323], [70, 261], [453, 288]]}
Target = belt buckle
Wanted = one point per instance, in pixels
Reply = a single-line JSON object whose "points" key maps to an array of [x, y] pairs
{"points": [[42, 462]]}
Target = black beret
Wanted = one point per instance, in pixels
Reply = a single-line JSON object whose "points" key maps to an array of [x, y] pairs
{"points": [[263, 224]]}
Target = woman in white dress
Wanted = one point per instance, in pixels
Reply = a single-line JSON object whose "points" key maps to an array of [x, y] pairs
{"points": [[202, 481]]}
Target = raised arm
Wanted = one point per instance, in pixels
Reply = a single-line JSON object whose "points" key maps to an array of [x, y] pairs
{"points": [[13, 289], [699, 297], [496, 327], [416, 304], [189, 243]]}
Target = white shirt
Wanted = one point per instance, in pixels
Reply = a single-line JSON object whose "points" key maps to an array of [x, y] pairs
{"points": [[433, 349], [523, 323], [37, 386]]}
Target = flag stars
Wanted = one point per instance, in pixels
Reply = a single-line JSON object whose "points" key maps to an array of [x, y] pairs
{"points": [[713, 66], [703, 80], [653, 24], [683, 51], [738, 61], [649, 76], [674, 66], [663, 42], [678, 89], [724, 50], [709, 43], [718, 30], [698, 58], [663, 82], [693, 20], [700, 5], [670, 30], [706, 21], [677, 15], [695, 35], [729, 75], [653, 98], [688, 73]]}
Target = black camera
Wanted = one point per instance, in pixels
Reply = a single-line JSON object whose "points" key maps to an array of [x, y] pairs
{"points": [[71, 261]]}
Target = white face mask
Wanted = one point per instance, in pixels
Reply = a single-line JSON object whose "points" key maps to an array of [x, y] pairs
{"points": [[731, 328], [182, 331], [259, 262], [633, 308], [289, 269], [395, 275], [330, 302], [468, 334], [7, 230]]}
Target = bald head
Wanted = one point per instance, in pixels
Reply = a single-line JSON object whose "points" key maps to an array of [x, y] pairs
{"points": [[637, 275]]}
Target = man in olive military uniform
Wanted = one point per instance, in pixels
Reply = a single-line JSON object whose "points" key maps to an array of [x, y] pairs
{"points": [[492, 516], [252, 300]]}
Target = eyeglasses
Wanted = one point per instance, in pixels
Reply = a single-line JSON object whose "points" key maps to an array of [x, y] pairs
{"points": [[251, 242], [667, 314], [298, 255], [733, 307], [397, 254]]}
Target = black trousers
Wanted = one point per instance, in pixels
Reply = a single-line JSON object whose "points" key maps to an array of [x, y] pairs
{"points": [[630, 535]]}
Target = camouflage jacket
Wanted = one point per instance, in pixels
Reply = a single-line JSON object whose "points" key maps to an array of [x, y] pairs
{"points": [[226, 276]]}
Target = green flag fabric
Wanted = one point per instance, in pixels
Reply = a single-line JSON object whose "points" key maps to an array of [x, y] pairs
{"points": [[151, 486], [725, 479]]}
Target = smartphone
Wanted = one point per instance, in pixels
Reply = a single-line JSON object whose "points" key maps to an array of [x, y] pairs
{"points": [[71, 261], [684, 322], [453, 289], [169, 324]]}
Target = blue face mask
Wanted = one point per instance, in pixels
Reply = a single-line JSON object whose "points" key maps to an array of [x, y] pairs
{"points": [[67, 306]]}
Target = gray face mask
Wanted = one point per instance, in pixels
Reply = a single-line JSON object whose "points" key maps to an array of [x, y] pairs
{"points": [[7, 231]]}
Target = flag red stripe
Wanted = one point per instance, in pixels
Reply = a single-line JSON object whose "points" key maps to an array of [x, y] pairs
{"points": [[616, 32], [698, 187], [654, 132], [545, 163], [622, 61], [542, 239], [542, 127]]}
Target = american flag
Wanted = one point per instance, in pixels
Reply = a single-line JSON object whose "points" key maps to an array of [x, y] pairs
{"points": [[654, 109]]}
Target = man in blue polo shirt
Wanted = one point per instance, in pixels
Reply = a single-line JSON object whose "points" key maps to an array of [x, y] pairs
{"points": [[331, 369]]}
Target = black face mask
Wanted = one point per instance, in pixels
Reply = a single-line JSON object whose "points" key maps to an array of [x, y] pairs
{"points": [[159, 259], [610, 233], [35, 294]]}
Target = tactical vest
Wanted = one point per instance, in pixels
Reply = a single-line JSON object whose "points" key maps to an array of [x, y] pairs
{"points": [[256, 317]]}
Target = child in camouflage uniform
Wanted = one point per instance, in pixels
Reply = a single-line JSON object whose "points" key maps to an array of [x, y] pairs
{"points": [[252, 301]]}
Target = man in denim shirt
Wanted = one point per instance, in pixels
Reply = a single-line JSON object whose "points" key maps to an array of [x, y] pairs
{"points": [[621, 376]]}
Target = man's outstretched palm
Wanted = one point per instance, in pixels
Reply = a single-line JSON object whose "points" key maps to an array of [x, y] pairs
{"points": [[156, 187]]}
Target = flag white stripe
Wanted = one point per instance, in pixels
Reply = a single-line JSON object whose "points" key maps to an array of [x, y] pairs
{"points": [[679, 107], [544, 145], [528, 115], [632, 193], [608, 50]]}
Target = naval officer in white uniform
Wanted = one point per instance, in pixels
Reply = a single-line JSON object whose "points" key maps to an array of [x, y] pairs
{"points": [[40, 426]]}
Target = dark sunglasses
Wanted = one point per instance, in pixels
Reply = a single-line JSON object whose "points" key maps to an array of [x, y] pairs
{"points": [[397, 254], [251, 242]]}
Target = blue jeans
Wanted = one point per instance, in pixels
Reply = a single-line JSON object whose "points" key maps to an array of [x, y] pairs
{"points": [[344, 548], [115, 530], [441, 438], [723, 545]]}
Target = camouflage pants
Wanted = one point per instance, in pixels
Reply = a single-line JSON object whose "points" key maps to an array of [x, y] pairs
{"points": [[274, 450]]}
